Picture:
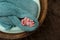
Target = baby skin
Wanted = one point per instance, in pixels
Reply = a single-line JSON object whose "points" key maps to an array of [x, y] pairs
{"points": [[27, 22]]}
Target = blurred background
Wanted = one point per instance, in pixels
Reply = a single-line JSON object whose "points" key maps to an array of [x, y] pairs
{"points": [[50, 29]]}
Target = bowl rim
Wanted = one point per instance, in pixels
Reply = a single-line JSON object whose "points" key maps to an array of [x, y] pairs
{"points": [[44, 6]]}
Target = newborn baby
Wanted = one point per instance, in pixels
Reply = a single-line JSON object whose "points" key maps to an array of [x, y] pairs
{"points": [[21, 13]]}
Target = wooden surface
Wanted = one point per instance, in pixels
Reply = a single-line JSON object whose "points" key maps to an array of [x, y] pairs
{"points": [[41, 19], [50, 29]]}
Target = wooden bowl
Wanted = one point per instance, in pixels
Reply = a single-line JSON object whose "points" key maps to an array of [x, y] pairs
{"points": [[22, 35]]}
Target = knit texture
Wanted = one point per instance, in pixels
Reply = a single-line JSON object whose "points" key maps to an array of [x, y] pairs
{"points": [[12, 10]]}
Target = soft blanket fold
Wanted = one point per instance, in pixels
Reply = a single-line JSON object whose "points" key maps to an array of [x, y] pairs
{"points": [[12, 10]]}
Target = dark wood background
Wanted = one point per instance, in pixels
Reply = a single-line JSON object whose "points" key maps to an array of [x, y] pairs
{"points": [[50, 29]]}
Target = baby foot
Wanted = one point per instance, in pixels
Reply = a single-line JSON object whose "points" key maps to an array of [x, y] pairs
{"points": [[27, 22]]}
